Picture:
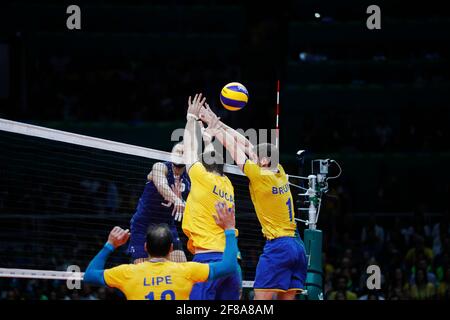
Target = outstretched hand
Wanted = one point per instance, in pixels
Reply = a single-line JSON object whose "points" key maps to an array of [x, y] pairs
{"points": [[225, 217], [213, 127], [194, 106], [206, 114]]}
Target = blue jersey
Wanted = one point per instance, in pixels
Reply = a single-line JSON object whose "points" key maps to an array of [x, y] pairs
{"points": [[152, 207]]}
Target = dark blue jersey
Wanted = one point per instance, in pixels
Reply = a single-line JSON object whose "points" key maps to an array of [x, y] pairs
{"points": [[152, 207]]}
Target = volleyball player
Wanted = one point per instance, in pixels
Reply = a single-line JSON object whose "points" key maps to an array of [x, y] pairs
{"points": [[159, 278], [208, 185], [162, 201], [282, 267]]}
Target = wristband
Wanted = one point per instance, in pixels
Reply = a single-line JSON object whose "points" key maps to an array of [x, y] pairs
{"points": [[191, 116]]}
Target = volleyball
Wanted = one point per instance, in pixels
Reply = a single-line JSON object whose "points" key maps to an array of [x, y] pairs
{"points": [[234, 96]]}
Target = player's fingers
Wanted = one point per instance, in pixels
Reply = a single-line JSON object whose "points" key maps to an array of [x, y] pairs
{"points": [[231, 210], [120, 234], [174, 210], [116, 230], [222, 211], [216, 219], [202, 102], [189, 101], [219, 205]]}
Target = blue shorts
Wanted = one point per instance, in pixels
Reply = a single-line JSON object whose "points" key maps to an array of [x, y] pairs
{"points": [[139, 237], [282, 266], [227, 288]]}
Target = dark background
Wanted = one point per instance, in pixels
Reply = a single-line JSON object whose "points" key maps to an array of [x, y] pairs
{"points": [[377, 101]]}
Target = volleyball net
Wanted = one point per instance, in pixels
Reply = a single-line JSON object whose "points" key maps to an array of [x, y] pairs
{"points": [[61, 193]]}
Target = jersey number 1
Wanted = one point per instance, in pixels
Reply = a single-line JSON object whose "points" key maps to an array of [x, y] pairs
{"points": [[289, 205]]}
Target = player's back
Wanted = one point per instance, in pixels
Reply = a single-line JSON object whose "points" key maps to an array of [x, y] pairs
{"points": [[158, 280], [272, 199], [207, 188]]}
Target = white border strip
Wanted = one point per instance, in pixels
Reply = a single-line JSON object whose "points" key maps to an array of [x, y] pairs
{"points": [[87, 141], [40, 274]]}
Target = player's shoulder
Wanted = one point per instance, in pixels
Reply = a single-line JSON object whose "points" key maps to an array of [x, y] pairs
{"points": [[164, 166], [126, 269], [250, 167], [193, 266], [196, 168], [187, 267], [281, 169]]}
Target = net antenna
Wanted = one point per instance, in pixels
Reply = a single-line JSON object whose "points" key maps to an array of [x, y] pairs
{"points": [[277, 127]]}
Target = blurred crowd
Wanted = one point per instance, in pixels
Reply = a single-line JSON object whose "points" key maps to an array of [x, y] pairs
{"points": [[412, 254]]}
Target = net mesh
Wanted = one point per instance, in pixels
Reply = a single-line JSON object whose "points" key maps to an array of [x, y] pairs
{"points": [[58, 202]]}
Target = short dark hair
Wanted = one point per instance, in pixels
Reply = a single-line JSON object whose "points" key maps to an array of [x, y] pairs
{"points": [[159, 240], [212, 164], [267, 150]]}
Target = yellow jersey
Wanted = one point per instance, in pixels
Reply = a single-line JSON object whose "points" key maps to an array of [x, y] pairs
{"points": [[198, 223], [164, 280], [272, 199]]}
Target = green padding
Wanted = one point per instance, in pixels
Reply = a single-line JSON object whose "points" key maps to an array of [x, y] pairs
{"points": [[314, 281]]}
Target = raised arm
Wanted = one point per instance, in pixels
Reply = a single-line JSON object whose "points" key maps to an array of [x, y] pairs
{"points": [[228, 141], [192, 131], [96, 268], [207, 115], [207, 139]]}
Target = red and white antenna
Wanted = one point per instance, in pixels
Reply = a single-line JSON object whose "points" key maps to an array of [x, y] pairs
{"points": [[277, 128]]}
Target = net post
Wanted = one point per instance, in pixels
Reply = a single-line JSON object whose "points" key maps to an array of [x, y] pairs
{"points": [[313, 245]]}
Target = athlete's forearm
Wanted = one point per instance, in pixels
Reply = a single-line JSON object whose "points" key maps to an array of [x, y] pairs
{"points": [[207, 139], [231, 145], [191, 142], [162, 185], [95, 269], [241, 140], [229, 264], [158, 176]]}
